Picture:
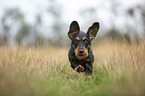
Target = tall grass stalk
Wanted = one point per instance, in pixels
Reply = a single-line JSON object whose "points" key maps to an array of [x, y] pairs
{"points": [[45, 71]]}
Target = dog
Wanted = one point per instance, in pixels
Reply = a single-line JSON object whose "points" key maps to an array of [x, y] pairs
{"points": [[80, 53]]}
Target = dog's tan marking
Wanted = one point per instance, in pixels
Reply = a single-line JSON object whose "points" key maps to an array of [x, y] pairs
{"points": [[84, 38], [77, 52], [84, 54], [78, 38], [86, 76], [80, 67], [86, 51]]}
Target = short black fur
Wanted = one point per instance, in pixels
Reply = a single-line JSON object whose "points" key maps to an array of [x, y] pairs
{"points": [[80, 53]]}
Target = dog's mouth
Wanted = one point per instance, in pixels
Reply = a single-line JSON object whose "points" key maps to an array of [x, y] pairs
{"points": [[81, 54]]}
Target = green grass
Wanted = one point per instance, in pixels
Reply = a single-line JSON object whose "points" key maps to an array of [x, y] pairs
{"points": [[45, 71]]}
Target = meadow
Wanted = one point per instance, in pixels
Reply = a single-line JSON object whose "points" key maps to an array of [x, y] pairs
{"points": [[119, 69]]}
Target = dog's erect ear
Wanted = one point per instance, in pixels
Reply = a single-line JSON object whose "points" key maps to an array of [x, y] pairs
{"points": [[92, 31], [74, 29]]}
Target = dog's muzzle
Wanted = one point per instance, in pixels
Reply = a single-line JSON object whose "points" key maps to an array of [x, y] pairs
{"points": [[81, 50]]}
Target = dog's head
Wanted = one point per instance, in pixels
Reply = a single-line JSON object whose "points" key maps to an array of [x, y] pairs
{"points": [[81, 41]]}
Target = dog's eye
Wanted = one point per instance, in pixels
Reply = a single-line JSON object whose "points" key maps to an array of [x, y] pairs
{"points": [[85, 41], [76, 41]]}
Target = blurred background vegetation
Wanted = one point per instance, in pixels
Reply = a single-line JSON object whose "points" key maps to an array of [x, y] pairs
{"points": [[38, 67], [52, 29]]}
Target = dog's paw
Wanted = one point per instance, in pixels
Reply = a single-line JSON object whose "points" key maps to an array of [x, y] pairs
{"points": [[79, 68]]}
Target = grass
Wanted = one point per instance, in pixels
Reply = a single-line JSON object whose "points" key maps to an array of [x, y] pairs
{"points": [[45, 71]]}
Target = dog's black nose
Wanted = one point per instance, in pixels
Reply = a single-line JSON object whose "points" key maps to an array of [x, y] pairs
{"points": [[81, 51]]}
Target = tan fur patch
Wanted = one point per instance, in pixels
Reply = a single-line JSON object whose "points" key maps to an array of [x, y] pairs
{"points": [[86, 51], [79, 66], [84, 54], [77, 51], [84, 38], [78, 38], [86, 76]]}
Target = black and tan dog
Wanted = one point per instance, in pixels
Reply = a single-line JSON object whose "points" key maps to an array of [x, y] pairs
{"points": [[80, 53]]}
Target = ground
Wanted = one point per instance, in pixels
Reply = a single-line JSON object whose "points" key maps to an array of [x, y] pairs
{"points": [[45, 71]]}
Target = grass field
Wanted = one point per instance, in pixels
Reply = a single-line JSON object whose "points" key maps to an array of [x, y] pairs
{"points": [[119, 69]]}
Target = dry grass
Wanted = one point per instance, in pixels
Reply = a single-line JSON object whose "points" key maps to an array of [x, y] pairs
{"points": [[118, 70], [128, 65]]}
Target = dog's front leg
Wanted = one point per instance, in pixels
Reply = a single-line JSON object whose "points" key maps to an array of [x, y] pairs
{"points": [[89, 69], [77, 67]]}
